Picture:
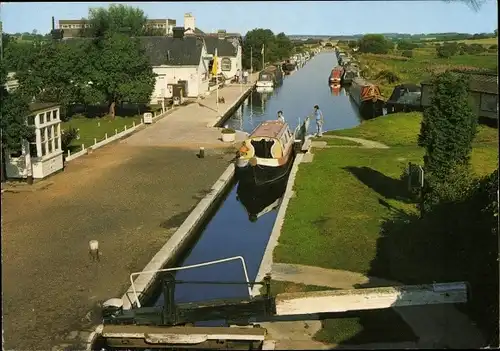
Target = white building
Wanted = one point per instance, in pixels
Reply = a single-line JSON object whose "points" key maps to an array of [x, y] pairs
{"points": [[229, 54], [174, 60], [42, 153]]}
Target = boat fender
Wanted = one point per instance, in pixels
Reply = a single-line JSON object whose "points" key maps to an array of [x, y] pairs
{"points": [[253, 162]]}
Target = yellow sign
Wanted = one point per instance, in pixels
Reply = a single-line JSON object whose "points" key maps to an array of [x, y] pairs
{"points": [[214, 65]]}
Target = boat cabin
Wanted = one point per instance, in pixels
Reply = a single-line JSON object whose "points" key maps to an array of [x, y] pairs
{"points": [[270, 139]]}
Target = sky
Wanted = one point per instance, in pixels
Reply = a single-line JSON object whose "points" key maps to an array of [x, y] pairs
{"points": [[292, 18]]}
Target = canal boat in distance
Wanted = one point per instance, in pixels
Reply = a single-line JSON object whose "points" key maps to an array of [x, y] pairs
{"points": [[405, 98], [266, 155], [350, 72], [336, 75], [261, 199], [367, 97], [270, 77]]}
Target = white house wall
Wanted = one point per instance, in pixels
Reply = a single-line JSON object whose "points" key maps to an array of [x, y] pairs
{"points": [[171, 75]]}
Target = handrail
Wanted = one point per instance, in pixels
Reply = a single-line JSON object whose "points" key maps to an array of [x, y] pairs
{"points": [[203, 264]]}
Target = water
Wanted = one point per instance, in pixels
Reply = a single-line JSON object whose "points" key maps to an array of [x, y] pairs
{"points": [[240, 227], [296, 98]]}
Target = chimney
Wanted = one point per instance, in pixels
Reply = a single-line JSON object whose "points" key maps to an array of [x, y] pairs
{"points": [[178, 32], [221, 34], [53, 23], [189, 23]]}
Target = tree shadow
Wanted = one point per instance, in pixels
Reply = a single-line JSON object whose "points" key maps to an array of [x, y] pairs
{"points": [[456, 241], [385, 186]]}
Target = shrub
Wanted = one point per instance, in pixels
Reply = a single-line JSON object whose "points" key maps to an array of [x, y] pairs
{"points": [[228, 131], [407, 53], [447, 131], [67, 137], [389, 76]]}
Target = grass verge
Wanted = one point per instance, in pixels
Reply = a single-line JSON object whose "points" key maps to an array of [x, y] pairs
{"points": [[337, 142], [97, 128], [343, 214]]}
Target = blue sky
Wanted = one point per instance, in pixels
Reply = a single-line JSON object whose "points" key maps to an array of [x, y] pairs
{"points": [[301, 17]]}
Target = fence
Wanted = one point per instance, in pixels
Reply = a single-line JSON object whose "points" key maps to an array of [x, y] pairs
{"points": [[108, 139]]}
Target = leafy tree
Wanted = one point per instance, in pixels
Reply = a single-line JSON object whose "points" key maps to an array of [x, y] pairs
{"points": [[447, 131], [406, 45], [55, 73], [352, 44], [117, 18], [252, 44], [284, 46], [374, 44], [14, 110], [120, 71]]}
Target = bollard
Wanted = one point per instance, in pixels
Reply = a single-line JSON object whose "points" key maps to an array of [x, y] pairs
{"points": [[94, 250], [202, 152], [83, 147], [95, 141], [116, 131], [133, 123], [105, 135], [98, 124], [69, 153], [125, 127]]}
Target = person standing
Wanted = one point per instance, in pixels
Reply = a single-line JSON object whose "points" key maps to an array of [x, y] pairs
{"points": [[318, 116], [281, 118], [245, 76]]}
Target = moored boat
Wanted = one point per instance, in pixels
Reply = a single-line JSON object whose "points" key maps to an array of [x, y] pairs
{"points": [[269, 77], [288, 67], [335, 89], [336, 75], [266, 155], [405, 98], [367, 97], [350, 72]]}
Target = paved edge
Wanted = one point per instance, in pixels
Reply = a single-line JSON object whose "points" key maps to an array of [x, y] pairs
{"points": [[365, 143], [267, 260], [176, 244], [222, 118]]}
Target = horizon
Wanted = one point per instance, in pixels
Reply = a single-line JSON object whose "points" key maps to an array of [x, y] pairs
{"points": [[440, 16]]}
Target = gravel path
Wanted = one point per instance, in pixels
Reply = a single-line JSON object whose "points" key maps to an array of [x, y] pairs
{"points": [[368, 144], [130, 199]]}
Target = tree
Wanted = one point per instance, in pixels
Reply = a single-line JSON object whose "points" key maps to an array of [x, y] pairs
{"points": [[275, 47], [14, 110], [55, 72], [447, 131], [374, 44], [117, 18], [283, 46], [447, 50], [120, 71]]}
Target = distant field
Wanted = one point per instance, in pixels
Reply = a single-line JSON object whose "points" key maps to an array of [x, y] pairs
{"points": [[487, 41]]}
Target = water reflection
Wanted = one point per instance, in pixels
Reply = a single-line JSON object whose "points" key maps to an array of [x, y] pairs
{"points": [[296, 97], [259, 200]]}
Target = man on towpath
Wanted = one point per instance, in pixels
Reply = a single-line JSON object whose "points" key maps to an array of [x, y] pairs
{"points": [[318, 116]]}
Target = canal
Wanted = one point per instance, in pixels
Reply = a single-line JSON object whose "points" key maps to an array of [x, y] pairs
{"points": [[242, 223], [297, 96]]}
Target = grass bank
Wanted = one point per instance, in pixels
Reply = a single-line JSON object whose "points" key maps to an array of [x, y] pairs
{"points": [[344, 199]]}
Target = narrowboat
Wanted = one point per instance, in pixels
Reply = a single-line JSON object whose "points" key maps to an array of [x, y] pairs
{"points": [[351, 72], [367, 97], [269, 77], [266, 155], [405, 98], [336, 75], [259, 200], [335, 89], [288, 67]]}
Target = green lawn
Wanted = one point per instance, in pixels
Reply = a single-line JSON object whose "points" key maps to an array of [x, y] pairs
{"points": [[337, 142], [97, 128], [345, 196]]}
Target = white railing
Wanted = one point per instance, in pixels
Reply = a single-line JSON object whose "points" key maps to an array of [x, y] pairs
{"points": [[108, 139], [203, 264]]}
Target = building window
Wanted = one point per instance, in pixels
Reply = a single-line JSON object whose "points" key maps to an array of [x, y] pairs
{"points": [[32, 146], [489, 102], [41, 117], [55, 115], [225, 64], [48, 116]]}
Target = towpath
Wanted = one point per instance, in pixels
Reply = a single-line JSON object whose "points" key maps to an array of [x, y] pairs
{"points": [[130, 196]]}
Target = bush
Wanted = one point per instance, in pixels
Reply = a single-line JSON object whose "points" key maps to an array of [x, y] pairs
{"points": [[493, 47], [447, 50], [447, 131], [389, 76], [407, 53], [228, 131], [67, 137]]}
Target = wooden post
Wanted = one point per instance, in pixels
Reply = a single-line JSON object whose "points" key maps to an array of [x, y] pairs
{"points": [[116, 131], [105, 135], [83, 147], [125, 127], [133, 123], [169, 300], [95, 141], [69, 153]]}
